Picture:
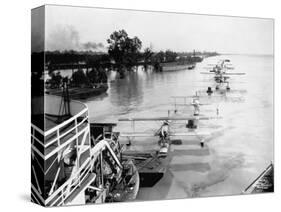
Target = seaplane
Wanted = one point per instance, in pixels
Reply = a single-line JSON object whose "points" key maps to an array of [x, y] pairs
{"points": [[212, 95], [222, 76], [151, 152], [151, 157], [189, 101], [220, 65], [165, 131]]}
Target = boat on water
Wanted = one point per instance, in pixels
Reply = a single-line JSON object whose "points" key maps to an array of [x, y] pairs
{"points": [[176, 66], [69, 165], [81, 92], [151, 165]]}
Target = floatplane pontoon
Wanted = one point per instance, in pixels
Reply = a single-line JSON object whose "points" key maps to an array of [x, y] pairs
{"points": [[152, 164]]}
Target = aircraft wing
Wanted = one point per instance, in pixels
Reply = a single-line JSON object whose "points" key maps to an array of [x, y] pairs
{"points": [[144, 134], [233, 73], [232, 91], [229, 67], [206, 72], [190, 134], [136, 134], [191, 104], [181, 118], [182, 97]]}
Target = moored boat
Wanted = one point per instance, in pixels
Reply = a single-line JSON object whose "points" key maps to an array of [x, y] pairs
{"points": [[176, 66]]}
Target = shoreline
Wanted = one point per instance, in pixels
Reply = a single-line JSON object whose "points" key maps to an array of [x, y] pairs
{"points": [[80, 93]]}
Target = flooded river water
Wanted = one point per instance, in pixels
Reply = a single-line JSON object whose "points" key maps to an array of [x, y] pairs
{"points": [[230, 160]]}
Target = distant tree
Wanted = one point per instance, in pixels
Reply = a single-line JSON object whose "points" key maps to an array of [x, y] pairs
{"points": [[93, 76], [167, 56], [123, 49], [97, 76], [55, 80], [159, 57], [79, 78], [170, 56], [147, 54], [102, 75]]}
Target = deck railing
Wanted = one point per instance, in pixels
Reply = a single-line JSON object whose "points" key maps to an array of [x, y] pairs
{"points": [[45, 144], [50, 146], [42, 140], [61, 195]]}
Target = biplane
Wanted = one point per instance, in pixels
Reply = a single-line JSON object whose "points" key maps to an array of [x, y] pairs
{"points": [[213, 95], [221, 75], [165, 131], [206, 98], [183, 101], [220, 66]]}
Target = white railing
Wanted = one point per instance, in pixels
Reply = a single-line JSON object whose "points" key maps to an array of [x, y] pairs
{"points": [[43, 143], [60, 196], [57, 135], [48, 143], [77, 109]]}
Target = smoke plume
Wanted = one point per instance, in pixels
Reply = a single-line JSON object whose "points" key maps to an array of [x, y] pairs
{"points": [[68, 38], [92, 45]]}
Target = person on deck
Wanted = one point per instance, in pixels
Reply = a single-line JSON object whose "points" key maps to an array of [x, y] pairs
{"points": [[196, 104], [163, 132]]}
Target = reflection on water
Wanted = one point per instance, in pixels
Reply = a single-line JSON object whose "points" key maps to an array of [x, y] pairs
{"points": [[231, 159], [128, 92]]}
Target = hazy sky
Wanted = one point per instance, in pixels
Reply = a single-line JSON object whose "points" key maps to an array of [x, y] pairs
{"points": [[73, 27]]}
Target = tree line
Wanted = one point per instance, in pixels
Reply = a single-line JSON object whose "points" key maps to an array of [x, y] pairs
{"points": [[124, 52], [91, 78]]}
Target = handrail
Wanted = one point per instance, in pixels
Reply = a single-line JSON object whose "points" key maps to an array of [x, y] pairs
{"points": [[67, 142], [37, 151], [67, 182], [82, 176], [74, 181], [65, 122], [56, 138], [65, 133], [37, 193], [101, 145], [57, 133], [42, 155], [37, 140], [37, 129], [71, 191]]}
